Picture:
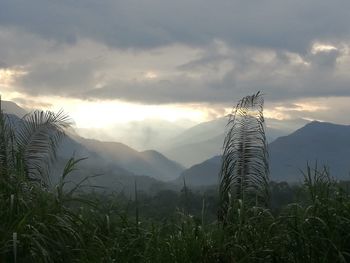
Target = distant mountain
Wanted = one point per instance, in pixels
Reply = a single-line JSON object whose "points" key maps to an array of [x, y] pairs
{"points": [[205, 173], [139, 135], [197, 151], [107, 177], [205, 140], [326, 143], [163, 164], [200, 132], [150, 163], [10, 107], [112, 175], [118, 164]]}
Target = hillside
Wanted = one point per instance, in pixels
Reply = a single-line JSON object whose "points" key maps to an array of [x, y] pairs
{"points": [[150, 163], [117, 164], [205, 140], [196, 152], [326, 143], [10, 107], [205, 173]]}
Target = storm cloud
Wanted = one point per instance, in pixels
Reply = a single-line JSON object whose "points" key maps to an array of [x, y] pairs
{"points": [[158, 51], [290, 25]]}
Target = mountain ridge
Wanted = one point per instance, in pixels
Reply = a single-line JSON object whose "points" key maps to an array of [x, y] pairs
{"points": [[151, 163], [323, 143], [205, 140], [134, 161], [10, 107]]}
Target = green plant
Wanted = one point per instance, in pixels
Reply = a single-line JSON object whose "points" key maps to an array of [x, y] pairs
{"points": [[244, 172]]}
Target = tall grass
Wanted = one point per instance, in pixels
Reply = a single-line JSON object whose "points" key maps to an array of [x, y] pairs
{"points": [[244, 171]]}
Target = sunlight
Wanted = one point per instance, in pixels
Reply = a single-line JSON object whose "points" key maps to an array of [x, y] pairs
{"points": [[298, 108], [319, 47], [8, 76], [103, 114], [276, 114], [151, 75]]}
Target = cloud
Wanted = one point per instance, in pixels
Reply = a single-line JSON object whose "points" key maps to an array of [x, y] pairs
{"points": [[61, 78], [329, 109], [290, 25], [180, 74], [197, 51]]}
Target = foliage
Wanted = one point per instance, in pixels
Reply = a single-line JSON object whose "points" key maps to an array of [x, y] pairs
{"points": [[244, 172], [28, 146], [60, 226]]}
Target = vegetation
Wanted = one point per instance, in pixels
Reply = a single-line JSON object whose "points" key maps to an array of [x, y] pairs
{"points": [[41, 222], [245, 170]]}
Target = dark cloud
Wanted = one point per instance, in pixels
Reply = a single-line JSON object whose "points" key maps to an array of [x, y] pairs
{"points": [[276, 24], [325, 60], [241, 47], [213, 77], [62, 79], [81, 79]]}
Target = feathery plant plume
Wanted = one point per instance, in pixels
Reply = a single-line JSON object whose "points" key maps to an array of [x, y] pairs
{"points": [[38, 139], [244, 171], [5, 139], [29, 146]]}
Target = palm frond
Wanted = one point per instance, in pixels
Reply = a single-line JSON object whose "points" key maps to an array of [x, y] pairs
{"points": [[38, 138], [7, 146], [245, 169]]}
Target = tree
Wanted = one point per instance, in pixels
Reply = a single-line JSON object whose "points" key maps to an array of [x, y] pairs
{"points": [[244, 171]]}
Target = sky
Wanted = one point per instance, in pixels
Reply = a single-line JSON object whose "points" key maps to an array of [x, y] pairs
{"points": [[181, 62]]}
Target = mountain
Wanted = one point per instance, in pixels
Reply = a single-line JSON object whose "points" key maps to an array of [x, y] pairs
{"points": [[205, 173], [112, 177], [150, 163], [118, 164], [140, 135], [200, 132], [10, 107], [205, 140], [197, 151], [105, 173], [326, 143], [108, 177]]}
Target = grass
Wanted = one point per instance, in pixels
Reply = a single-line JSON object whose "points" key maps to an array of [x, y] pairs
{"points": [[41, 225]]}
